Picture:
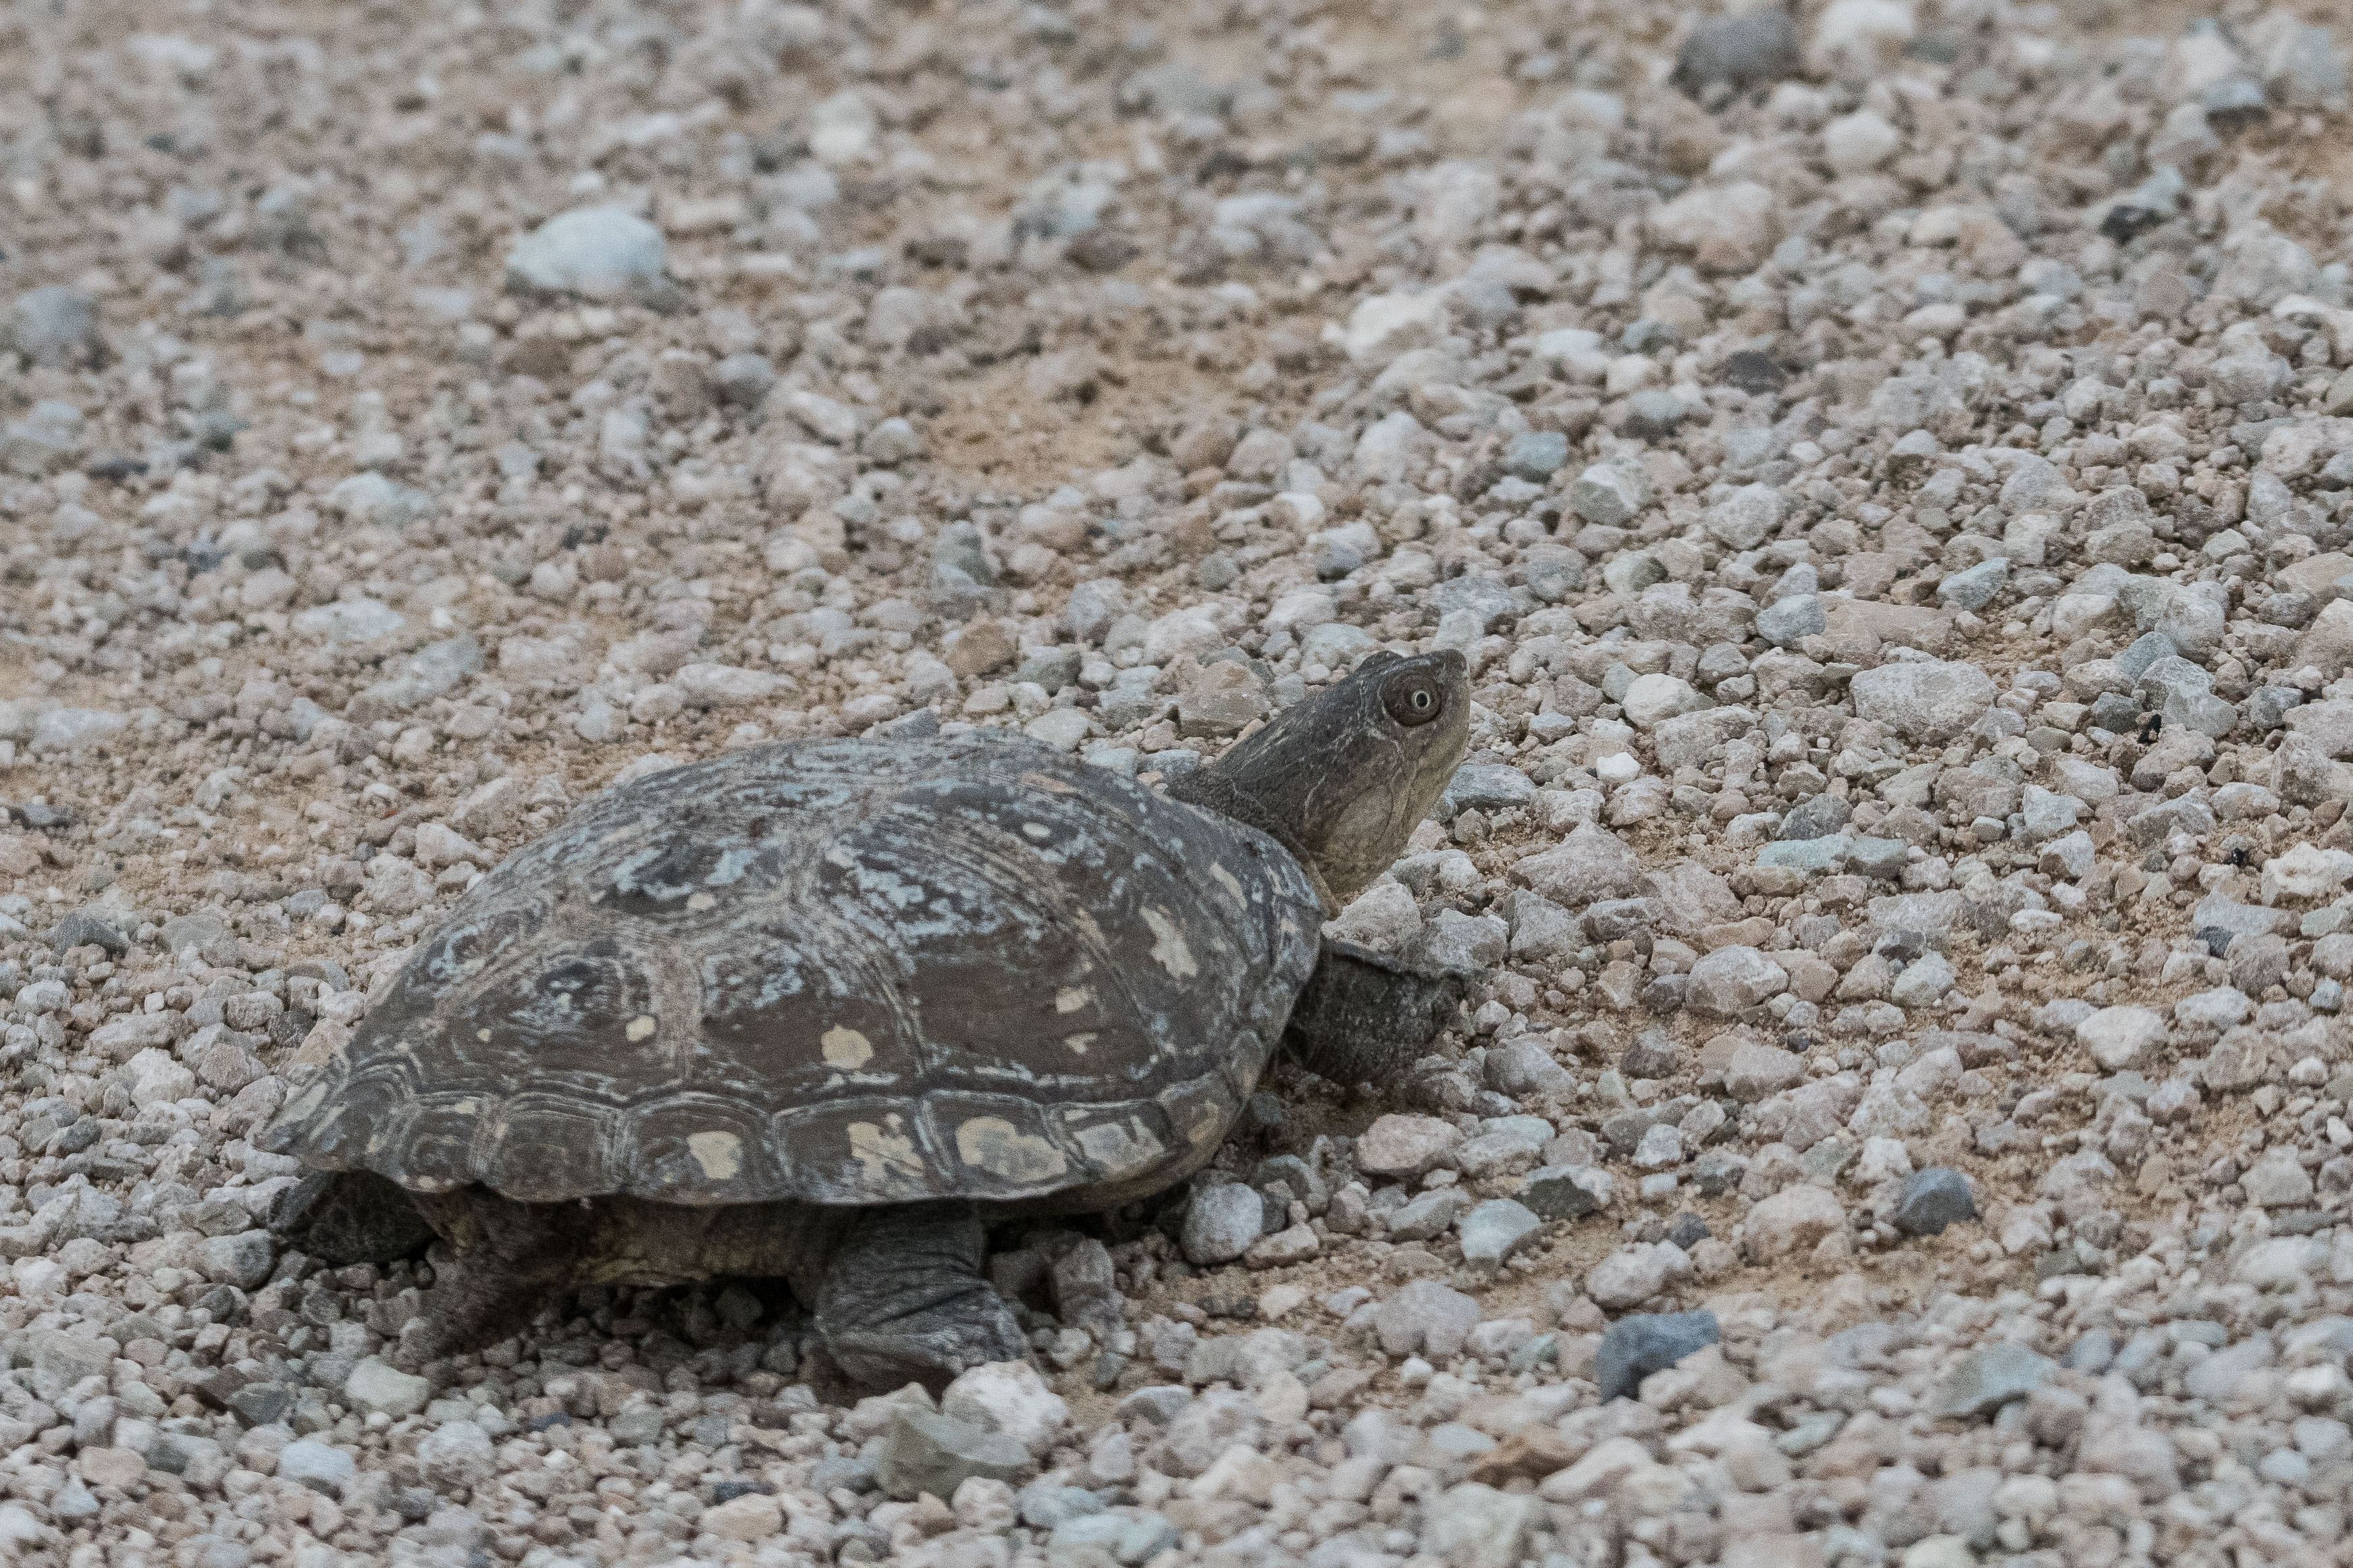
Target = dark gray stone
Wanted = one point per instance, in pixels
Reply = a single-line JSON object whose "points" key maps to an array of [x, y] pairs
{"points": [[1932, 1199], [1816, 817], [87, 928], [1637, 1346], [1740, 52]]}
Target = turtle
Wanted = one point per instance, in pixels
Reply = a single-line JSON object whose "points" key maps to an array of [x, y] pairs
{"points": [[828, 1010]]}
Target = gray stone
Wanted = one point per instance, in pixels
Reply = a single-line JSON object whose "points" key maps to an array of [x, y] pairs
{"points": [[1731, 980], [376, 1386], [1923, 699], [1473, 1525], [1638, 1345], [1496, 1229], [60, 1359], [1566, 1192], [924, 1451], [321, 1467], [601, 253], [1535, 455], [54, 325], [1485, 786], [636, 1423], [1991, 1376], [455, 1457], [1975, 588], [1933, 1198], [1746, 49], [1221, 1222], [1651, 414], [1427, 1317], [1816, 816], [243, 1261], [2143, 652], [1609, 494], [1786, 621], [1428, 1215]]}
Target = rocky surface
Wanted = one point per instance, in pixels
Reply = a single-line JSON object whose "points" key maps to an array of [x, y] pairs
{"points": [[1890, 468]]}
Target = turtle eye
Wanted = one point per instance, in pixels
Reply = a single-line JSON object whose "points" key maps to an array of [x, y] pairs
{"points": [[1414, 699]]}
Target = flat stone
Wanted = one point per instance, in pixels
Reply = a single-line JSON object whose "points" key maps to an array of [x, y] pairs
{"points": [[1010, 1397], [925, 1451], [1404, 1146], [376, 1386], [321, 1467], [1923, 699], [1976, 588], [2118, 1037], [1427, 1317], [1641, 1343], [1990, 1377], [601, 253], [1933, 1198], [2278, 1180], [111, 1466], [1496, 1229], [1731, 980], [1566, 1192]]}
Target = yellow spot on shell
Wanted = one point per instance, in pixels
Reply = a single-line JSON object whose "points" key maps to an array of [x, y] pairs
{"points": [[718, 1155], [845, 1048], [484, 1034], [1004, 1151], [1037, 830], [883, 1154], [698, 902], [1120, 1148], [1079, 1043], [640, 1027], [1225, 880], [1051, 785], [1070, 998], [1168, 948]]}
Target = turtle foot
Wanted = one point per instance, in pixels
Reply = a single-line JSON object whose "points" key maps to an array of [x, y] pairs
{"points": [[903, 1299]]}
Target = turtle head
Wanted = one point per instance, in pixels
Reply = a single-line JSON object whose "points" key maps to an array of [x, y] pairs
{"points": [[1344, 778]]}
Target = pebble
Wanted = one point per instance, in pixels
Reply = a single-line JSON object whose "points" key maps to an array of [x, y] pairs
{"points": [[925, 1451], [1221, 1222], [599, 253], [1932, 1199], [1988, 1379], [1641, 1343], [1495, 1230], [1405, 1145], [373, 1387], [324, 1469]]}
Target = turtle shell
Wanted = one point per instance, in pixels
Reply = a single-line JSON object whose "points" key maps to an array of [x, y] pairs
{"points": [[846, 971]]}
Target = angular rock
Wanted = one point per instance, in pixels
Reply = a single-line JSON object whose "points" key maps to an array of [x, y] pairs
{"points": [[1641, 1343]]}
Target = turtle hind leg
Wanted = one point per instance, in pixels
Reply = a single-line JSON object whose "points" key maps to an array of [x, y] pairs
{"points": [[903, 1299], [349, 1217], [1363, 1015], [507, 1261]]}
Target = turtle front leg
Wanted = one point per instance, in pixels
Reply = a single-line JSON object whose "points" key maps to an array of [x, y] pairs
{"points": [[512, 1259], [903, 1299], [1363, 1015]]}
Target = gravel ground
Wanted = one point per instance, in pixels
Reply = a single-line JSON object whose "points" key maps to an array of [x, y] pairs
{"points": [[1888, 469]]}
